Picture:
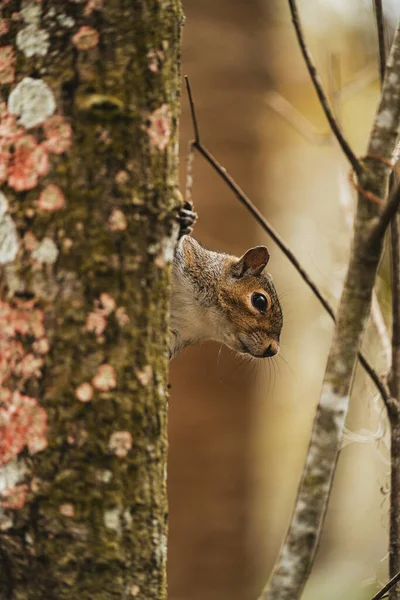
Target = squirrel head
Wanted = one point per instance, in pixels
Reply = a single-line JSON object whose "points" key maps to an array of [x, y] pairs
{"points": [[250, 305]]}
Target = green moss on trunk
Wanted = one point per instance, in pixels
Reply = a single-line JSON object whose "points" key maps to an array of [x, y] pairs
{"points": [[94, 524]]}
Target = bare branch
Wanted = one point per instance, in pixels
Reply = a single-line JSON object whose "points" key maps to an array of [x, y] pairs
{"points": [[380, 28], [386, 216], [297, 120], [298, 552], [390, 584], [394, 385], [394, 378], [315, 78], [282, 245], [192, 111], [381, 329]]}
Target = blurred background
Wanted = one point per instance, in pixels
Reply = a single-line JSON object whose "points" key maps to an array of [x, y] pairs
{"points": [[239, 432]]}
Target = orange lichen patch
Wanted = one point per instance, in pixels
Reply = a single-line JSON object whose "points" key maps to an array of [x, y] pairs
{"points": [[95, 323], [159, 129], [86, 38], [134, 590], [105, 378], [30, 366], [108, 303], [51, 199], [155, 58], [5, 395], [84, 392], [117, 220], [144, 375], [30, 241], [122, 177], [9, 128], [67, 509], [9, 133], [14, 497], [20, 320], [58, 134], [23, 423], [121, 316], [93, 5], [11, 354], [120, 443], [7, 59], [28, 163], [41, 346], [4, 27]]}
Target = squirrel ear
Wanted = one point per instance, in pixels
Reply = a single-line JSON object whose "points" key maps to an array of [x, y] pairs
{"points": [[252, 262]]}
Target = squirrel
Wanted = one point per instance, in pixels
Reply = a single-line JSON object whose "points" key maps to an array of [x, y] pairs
{"points": [[217, 296]]}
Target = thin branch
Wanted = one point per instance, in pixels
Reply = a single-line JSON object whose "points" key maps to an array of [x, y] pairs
{"points": [[192, 111], [394, 378], [299, 548], [297, 120], [386, 216], [390, 584], [282, 245], [394, 386], [380, 29], [381, 329], [395, 269], [315, 78]]}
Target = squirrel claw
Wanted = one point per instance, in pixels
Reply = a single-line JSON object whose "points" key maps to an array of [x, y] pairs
{"points": [[187, 218]]}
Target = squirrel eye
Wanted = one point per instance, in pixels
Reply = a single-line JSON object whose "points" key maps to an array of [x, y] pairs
{"points": [[259, 301]]}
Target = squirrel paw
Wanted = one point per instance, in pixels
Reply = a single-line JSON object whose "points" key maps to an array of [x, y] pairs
{"points": [[187, 218]]}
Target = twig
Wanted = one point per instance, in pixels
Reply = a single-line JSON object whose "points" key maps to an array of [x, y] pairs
{"points": [[394, 378], [376, 311], [390, 584], [282, 245], [296, 119], [380, 29], [394, 386], [298, 551], [189, 174], [386, 216], [320, 91], [381, 329]]}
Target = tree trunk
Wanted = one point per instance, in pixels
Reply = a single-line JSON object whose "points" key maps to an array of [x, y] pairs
{"points": [[88, 161]]}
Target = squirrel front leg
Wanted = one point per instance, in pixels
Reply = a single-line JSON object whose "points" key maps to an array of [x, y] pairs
{"points": [[187, 218]]}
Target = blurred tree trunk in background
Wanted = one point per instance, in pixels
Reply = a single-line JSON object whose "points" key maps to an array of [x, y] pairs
{"points": [[88, 163], [211, 480]]}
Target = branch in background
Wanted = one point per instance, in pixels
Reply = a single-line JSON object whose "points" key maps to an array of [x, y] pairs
{"points": [[386, 588], [282, 245], [380, 29], [391, 215], [296, 119], [394, 416], [298, 552], [381, 329], [345, 200], [320, 91], [285, 109], [386, 216]]}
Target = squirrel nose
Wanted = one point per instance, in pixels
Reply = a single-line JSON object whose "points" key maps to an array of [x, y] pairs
{"points": [[272, 349]]}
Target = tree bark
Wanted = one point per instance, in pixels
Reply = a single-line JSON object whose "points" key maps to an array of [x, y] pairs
{"points": [[88, 161]]}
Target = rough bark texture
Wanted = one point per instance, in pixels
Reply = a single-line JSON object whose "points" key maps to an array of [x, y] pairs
{"points": [[394, 383], [298, 552], [85, 295]]}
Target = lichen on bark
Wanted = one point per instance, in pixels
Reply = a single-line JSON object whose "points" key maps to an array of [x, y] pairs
{"points": [[92, 261]]}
